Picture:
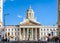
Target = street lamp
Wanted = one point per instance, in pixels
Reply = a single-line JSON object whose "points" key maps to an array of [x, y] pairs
{"points": [[4, 24], [4, 18]]}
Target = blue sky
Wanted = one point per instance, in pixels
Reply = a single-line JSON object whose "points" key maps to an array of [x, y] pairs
{"points": [[45, 11]]}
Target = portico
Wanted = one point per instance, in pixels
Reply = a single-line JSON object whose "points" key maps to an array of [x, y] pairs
{"points": [[29, 33]]}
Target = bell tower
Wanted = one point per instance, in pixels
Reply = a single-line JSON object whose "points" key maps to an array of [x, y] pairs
{"points": [[30, 14], [1, 6]]}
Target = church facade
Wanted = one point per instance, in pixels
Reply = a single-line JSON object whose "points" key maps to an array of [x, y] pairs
{"points": [[32, 33], [28, 29]]}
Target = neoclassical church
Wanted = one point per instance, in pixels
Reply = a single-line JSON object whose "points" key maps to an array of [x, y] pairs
{"points": [[28, 29]]}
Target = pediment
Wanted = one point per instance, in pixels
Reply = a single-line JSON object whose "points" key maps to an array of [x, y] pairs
{"points": [[30, 23]]}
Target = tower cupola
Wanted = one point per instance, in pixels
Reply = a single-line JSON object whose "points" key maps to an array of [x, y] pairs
{"points": [[30, 14]]}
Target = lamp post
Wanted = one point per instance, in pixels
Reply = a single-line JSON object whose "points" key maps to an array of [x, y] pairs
{"points": [[4, 18], [4, 26]]}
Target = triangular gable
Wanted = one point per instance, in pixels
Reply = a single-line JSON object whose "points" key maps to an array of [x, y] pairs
{"points": [[30, 23]]}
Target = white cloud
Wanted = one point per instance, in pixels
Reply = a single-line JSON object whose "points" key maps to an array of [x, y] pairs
{"points": [[19, 16]]}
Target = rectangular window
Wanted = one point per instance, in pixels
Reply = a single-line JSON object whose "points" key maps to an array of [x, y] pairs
{"points": [[44, 33], [15, 29], [44, 38], [41, 29], [50, 29], [12, 33], [15, 33], [8, 29], [41, 33], [47, 29], [18, 29], [18, 33], [12, 29]]}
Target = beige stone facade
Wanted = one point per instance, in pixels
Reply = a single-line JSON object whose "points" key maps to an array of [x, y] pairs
{"points": [[58, 17], [32, 33]]}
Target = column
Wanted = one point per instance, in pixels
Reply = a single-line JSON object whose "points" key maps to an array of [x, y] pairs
{"points": [[24, 33], [36, 34], [20, 34], [27, 33], [32, 33], [39, 34]]}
